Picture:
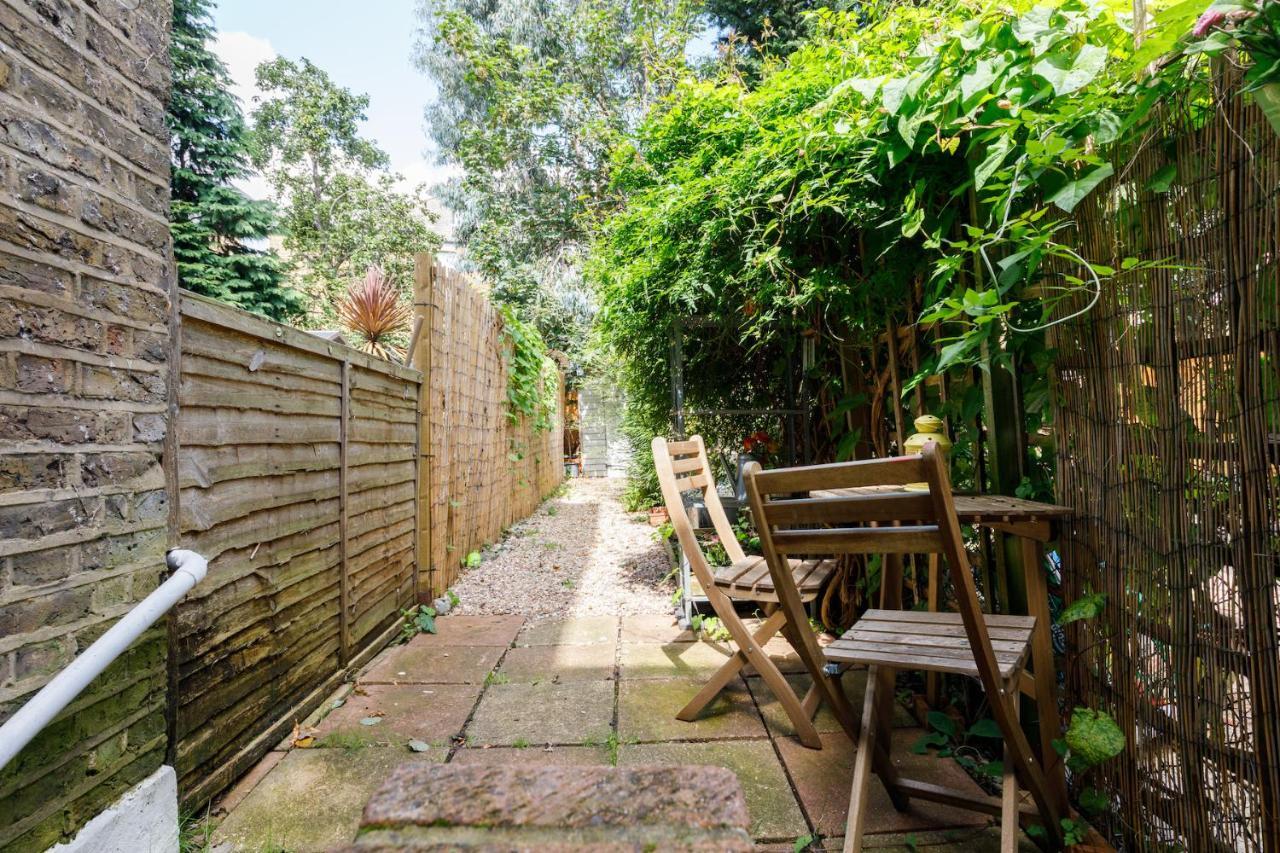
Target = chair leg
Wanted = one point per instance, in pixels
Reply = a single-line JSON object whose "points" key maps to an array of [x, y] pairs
{"points": [[812, 701], [1009, 791], [862, 767], [733, 665]]}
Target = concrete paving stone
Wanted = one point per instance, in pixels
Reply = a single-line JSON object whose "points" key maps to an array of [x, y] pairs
{"points": [[585, 756], [312, 800], [559, 664], [855, 684], [432, 713], [775, 816], [823, 777], [654, 629], [474, 631], [580, 631], [249, 781], [647, 711], [536, 714], [424, 661], [671, 660]]}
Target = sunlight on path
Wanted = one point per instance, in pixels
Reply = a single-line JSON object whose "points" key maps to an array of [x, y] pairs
{"points": [[579, 555]]}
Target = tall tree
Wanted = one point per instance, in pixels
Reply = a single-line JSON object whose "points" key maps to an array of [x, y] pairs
{"points": [[341, 211], [534, 96], [214, 224]]}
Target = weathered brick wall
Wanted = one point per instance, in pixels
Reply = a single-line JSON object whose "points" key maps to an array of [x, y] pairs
{"points": [[85, 278]]}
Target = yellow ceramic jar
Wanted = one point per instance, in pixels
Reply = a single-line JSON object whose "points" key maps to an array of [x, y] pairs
{"points": [[928, 428]]}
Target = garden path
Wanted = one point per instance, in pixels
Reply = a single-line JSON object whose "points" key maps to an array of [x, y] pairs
{"points": [[563, 650]]}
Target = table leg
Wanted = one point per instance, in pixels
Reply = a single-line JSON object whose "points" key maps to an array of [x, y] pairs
{"points": [[1045, 676]]}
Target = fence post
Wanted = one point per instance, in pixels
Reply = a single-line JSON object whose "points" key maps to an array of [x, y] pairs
{"points": [[423, 312], [344, 570]]}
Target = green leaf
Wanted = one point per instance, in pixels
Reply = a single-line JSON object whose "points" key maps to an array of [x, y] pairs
{"points": [[1094, 802], [979, 79], [1086, 607], [1093, 737], [1065, 74], [1163, 180], [942, 723], [994, 159], [986, 727], [802, 843], [1073, 193]]}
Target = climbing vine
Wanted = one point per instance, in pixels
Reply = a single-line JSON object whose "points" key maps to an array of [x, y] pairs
{"points": [[533, 380]]}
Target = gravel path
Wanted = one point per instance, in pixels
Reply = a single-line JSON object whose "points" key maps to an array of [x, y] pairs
{"points": [[580, 554]]}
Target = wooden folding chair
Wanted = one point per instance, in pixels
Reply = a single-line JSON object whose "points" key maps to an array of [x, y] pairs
{"points": [[875, 516], [682, 466]]}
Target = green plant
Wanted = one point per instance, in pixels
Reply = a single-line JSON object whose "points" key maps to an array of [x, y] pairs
{"points": [[948, 740], [373, 311], [710, 627], [533, 380], [420, 619], [472, 560], [520, 743], [496, 678], [195, 832]]}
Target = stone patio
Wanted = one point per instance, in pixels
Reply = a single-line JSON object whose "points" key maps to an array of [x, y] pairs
{"points": [[589, 691]]}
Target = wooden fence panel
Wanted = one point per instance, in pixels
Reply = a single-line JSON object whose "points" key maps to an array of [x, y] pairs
{"points": [[298, 472]]}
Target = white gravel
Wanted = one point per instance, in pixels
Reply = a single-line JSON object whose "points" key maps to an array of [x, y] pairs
{"points": [[580, 554]]}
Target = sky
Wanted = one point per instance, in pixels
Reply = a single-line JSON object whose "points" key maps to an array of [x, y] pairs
{"points": [[365, 46]]}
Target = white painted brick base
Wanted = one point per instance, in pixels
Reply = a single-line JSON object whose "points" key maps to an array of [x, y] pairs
{"points": [[144, 820]]}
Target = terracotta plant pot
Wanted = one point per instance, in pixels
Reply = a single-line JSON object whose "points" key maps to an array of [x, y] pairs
{"points": [[1268, 100], [658, 516]]}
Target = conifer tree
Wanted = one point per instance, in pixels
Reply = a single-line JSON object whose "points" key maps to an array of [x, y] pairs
{"points": [[214, 224]]}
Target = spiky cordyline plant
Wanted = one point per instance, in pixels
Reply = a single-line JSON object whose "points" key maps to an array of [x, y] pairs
{"points": [[372, 310]]}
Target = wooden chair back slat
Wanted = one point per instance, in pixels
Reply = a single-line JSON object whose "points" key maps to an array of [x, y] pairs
{"points": [[901, 507], [682, 466], [922, 539], [895, 471]]}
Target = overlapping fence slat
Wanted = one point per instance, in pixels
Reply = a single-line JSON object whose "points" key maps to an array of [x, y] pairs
{"points": [[485, 472], [1169, 438], [298, 472]]}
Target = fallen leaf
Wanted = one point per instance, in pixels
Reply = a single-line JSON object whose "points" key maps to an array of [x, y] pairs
{"points": [[418, 746], [370, 721]]}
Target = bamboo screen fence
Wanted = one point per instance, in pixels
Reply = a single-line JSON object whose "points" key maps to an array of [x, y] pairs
{"points": [[1169, 450], [486, 472]]}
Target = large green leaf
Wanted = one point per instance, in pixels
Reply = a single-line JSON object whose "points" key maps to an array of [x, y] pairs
{"points": [[1086, 607], [1067, 74], [1073, 193], [994, 159], [1093, 737]]}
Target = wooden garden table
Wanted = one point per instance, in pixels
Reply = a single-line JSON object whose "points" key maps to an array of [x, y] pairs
{"points": [[1033, 524]]}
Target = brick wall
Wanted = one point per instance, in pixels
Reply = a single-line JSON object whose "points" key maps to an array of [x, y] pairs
{"points": [[85, 278]]}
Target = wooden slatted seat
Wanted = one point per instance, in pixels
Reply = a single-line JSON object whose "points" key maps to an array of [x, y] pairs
{"points": [[932, 641], [750, 579]]}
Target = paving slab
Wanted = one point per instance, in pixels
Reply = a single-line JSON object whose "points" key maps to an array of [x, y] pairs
{"points": [[457, 807], [311, 800], [474, 631], [822, 778], [535, 756], [855, 685], [579, 631], [655, 629], [432, 713], [775, 816], [574, 713], [559, 664], [948, 841], [671, 660], [647, 711], [424, 661]]}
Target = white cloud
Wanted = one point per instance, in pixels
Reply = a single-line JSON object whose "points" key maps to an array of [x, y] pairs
{"points": [[243, 53]]}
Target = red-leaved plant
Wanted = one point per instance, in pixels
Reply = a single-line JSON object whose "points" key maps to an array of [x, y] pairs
{"points": [[373, 312]]}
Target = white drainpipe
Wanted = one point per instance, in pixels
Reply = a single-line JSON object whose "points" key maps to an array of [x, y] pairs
{"points": [[188, 568]]}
